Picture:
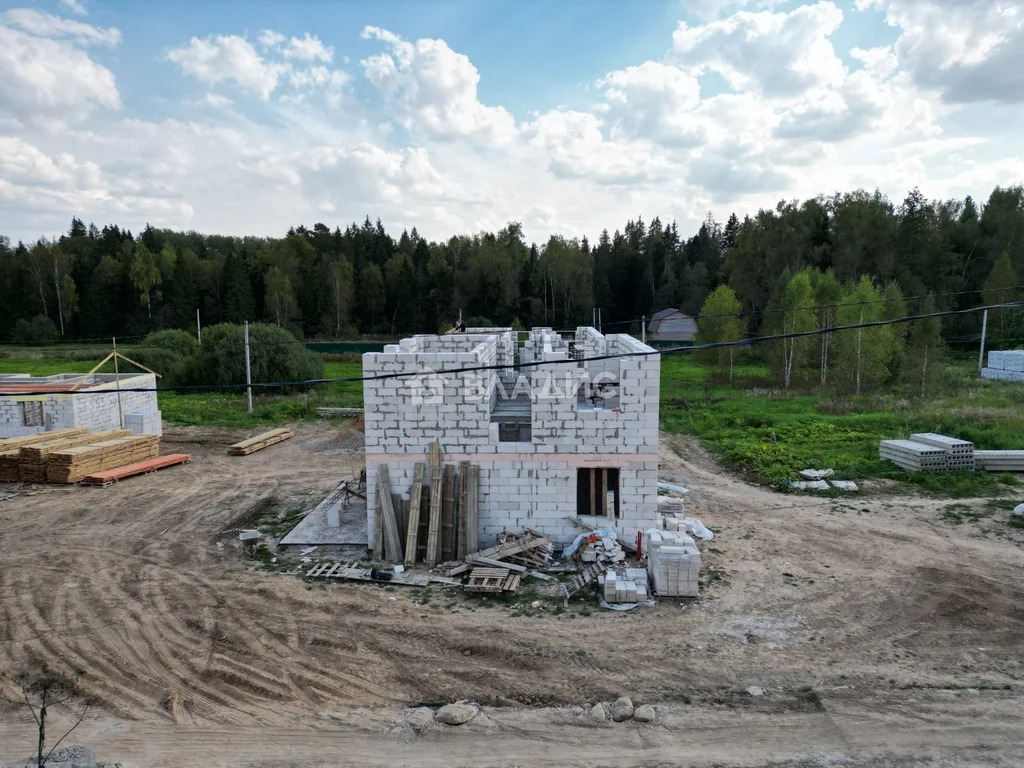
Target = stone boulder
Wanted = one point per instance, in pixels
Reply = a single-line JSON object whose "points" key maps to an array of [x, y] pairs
{"points": [[622, 709], [458, 713], [645, 713]]}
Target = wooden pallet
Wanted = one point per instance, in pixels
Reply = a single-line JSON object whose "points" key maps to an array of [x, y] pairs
{"points": [[259, 442], [581, 579], [111, 476], [489, 580]]}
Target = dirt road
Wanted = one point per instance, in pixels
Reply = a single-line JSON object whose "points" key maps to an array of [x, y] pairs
{"points": [[877, 631]]}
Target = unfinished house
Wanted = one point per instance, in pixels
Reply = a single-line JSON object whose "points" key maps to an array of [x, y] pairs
{"points": [[557, 438], [52, 406]]}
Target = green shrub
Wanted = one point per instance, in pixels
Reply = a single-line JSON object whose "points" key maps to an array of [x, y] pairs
{"points": [[167, 353], [39, 330], [275, 355]]}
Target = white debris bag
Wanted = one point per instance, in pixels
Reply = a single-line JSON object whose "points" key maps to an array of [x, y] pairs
{"points": [[601, 532], [698, 529]]}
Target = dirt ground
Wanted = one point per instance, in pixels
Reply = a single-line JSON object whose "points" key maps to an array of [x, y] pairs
{"points": [[880, 634]]}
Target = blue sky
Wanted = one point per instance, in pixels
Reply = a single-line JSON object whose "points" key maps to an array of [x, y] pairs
{"points": [[455, 116]]}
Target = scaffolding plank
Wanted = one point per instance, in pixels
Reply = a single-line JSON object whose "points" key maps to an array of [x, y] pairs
{"points": [[436, 492], [415, 497], [392, 540]]}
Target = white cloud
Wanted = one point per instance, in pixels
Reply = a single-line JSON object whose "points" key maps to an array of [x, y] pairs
{"points": [[44, 24], [270, 39], [650, 100], [75, 6], [227, 58], [24, 163], [780, 54], [433, 89], [574, 148], [308, 49], [44, 80], [969, 50]]}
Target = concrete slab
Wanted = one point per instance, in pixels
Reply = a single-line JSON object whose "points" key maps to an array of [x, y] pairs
{"points": [[314, 528]]}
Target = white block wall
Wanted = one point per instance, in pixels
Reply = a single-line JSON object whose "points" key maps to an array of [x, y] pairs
{"points": [[521, 484], [90, 411]]}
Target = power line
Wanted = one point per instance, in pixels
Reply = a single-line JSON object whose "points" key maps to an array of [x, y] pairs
{"points": [[567, 361]]}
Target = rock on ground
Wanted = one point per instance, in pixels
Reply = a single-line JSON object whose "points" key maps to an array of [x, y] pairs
{"points": [[622, 709], [455, 714], [599, 713], [421, 718], [645, 713]]}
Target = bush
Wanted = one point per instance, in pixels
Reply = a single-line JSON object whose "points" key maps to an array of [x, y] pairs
{"points": [[275, 355], [39, 330], [167, 353]]}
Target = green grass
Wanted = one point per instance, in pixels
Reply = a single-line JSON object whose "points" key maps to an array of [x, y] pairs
{"points": [[768, 435]]}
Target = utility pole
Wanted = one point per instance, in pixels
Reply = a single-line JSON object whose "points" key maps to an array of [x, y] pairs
{"points": [[117, 386], [643, 329], [599, 320], [248, 372], [593, 317], [981, 351], [199, 328]]}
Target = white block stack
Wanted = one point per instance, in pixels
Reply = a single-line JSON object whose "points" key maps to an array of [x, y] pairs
{"points": [[144, 422], [1005, 365], [628, 586], [674, 563]]}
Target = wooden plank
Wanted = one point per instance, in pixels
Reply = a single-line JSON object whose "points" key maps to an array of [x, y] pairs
{"points": [[603, 507], [448, 514], [401, 516], [10, 443], [478, 560], [348, 412], [413, 529], [593, 491], [421, 546], [460, 547], [472, 509], [436, 492], [392, 541], [259, 442], [109, 476], [378, 529]]}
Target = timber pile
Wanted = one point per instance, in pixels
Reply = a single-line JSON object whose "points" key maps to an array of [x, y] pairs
{"points": [[259, 442], [7, 443], [32, 459], [13, 451], [536, 556], [72, 464]]}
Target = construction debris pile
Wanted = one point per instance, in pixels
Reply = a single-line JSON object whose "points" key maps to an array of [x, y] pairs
{"points": [[931, 452], [604, 550]]}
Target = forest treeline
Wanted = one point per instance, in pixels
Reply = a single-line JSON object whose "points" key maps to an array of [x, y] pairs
{"points": [[320, 282]]}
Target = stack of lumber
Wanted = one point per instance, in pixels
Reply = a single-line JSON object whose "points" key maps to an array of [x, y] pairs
{"points": [[72, 464], [259, 442], [10, 449], [110, 476], [33, 459]]}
